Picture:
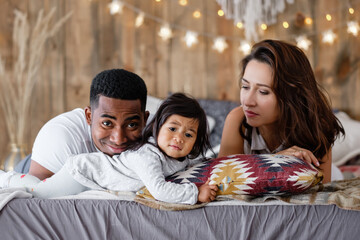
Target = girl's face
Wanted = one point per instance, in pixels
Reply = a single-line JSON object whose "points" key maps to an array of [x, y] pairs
{"points": [[257, 98], [177, 136]]}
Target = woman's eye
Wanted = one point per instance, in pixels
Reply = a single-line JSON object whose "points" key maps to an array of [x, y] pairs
{"points": [[245, 87], [172, 129], [264, 92]]}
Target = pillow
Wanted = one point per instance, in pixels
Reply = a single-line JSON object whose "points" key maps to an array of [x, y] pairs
{"points": [[256, 175], [346, 147], [153, 103]]}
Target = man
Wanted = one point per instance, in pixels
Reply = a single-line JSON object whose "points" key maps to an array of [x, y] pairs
{"points": [[115, 118]]}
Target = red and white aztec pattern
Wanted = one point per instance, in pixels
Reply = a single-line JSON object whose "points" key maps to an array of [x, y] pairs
{"points": [[263, 174]]}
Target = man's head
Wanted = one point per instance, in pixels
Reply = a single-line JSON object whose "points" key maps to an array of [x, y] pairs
{"points": [[116, 113], [119, 84]]}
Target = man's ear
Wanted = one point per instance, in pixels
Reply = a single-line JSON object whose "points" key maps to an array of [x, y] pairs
{"points": [[88, 114], [147, 114]]}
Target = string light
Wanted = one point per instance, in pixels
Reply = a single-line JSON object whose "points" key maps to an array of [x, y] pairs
{"points": [[165, 32], [240, 25], [245, 47], [328, 17], [221, 13], [139, 19], [197, 14], [308, 21], [220, 44], [303, 42], [353, 28], [328, 37], [116, 7], [285, 24], [191, 38], [183, 2]]}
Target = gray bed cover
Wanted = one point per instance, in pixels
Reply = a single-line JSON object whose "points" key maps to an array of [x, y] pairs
{"points": [[117, 219]]}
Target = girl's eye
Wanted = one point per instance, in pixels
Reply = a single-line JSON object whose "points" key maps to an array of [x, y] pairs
{"points": [[107, 123], [172, 129], [264, 92], [245, 87], [188, 135]]}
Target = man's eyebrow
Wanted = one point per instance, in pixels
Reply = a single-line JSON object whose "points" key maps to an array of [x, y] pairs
{"points": [[107, 116], [135, 117]]}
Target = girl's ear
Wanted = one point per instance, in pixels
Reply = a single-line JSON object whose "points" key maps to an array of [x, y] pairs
{"points": [[88, 114]]}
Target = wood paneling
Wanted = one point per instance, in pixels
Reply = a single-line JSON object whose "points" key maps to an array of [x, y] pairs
{"points": [[93, 40]]}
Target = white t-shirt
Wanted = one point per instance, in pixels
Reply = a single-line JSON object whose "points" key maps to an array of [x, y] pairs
{"points": [[130, 171], [66, 134]]}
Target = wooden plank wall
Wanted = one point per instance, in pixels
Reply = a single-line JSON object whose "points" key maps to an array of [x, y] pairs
{"points": [[93, 40]]}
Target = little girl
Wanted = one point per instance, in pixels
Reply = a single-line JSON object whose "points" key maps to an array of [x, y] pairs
{"points": [[177, 133]]}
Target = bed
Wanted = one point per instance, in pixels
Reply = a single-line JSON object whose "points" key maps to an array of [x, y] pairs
{"points": [[323, 213]]}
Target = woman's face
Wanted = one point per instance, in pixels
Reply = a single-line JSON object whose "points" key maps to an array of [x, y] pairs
{"points": [[257, 98]]}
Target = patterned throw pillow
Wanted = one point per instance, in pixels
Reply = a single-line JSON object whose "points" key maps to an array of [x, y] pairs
{"points": [[257, 175]]}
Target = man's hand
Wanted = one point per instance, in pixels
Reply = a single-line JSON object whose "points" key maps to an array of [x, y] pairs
{"points": [[207, 193]]}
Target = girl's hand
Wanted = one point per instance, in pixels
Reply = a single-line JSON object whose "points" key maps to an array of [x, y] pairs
{"points": [[207, 193], [301, 153]]}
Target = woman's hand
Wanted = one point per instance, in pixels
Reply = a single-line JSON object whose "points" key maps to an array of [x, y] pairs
{"points": [[301, 153], [207, 193]]}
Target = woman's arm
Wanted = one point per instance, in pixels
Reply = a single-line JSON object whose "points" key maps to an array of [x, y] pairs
{"points": [[309, 157], [231, 140], [326, 167]]}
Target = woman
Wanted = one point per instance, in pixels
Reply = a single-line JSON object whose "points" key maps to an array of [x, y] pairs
{"points": [[283, 109]]}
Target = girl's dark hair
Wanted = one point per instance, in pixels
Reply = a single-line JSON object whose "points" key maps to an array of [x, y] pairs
{"points": [[306, 118], [185, 106]]}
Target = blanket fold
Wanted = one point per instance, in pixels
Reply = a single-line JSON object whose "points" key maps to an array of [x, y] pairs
{"points": [[345, 194]]}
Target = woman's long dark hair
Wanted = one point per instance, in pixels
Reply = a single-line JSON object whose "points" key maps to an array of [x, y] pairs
{"points": [[306, 118], [185, 106]]}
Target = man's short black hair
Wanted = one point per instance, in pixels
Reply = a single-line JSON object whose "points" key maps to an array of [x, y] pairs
{"points": [[119, 84]]}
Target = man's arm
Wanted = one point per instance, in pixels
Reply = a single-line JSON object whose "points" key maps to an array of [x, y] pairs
{"points": [[39, 171]]}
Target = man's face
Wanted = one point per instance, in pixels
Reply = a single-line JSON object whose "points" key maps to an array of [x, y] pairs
{"points": [[115, 123]]}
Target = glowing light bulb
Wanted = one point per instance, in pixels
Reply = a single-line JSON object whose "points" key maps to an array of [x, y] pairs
{"points": [[328, 17], [240, 25], [139, 19], [221, 13], [245, 47], [353, 28], [191, 38], [263, 26], [351, 10], [165, 32], [197, 14], [308, 21], [303, 42], [183, 2], [220, 44], [116, 7], [285, 24], [328, 37]]}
